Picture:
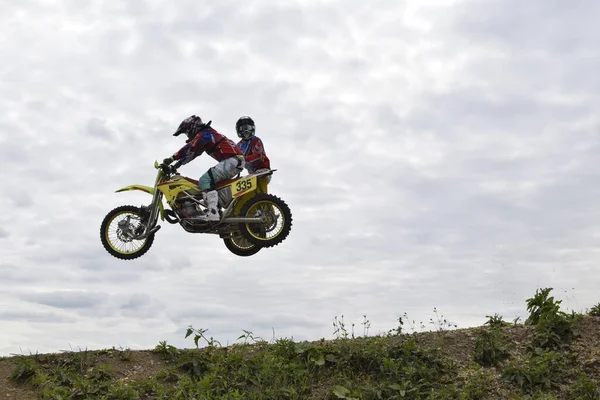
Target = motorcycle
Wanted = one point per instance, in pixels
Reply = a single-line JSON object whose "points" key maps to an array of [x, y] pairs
{"points": [[250, 218]]}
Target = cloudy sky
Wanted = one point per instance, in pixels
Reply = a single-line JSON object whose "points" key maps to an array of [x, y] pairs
{"points": [[439, 153]]}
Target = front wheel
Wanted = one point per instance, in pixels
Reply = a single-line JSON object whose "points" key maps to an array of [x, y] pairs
{"points": [[278, 220], [118, 230], [240, 246]]}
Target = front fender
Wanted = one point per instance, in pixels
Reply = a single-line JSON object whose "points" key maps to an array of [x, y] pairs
{"points": [[146, 189], [143, 188]]}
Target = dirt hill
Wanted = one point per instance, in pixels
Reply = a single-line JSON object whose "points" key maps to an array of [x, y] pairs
{"points": [[554, 355]]}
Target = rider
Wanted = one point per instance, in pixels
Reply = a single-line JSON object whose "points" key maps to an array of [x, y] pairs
{"points": [[252, 146], [203, 138]]}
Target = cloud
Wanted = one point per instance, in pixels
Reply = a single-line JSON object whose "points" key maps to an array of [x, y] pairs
{"points": [[36, 317], [98, 128], [433, 153], [141, 305], [67, 299]]}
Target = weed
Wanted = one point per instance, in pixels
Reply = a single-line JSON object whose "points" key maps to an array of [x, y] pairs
{"points": [[199, 334], [284, 348], [553, 327], [165, 350], [584, 389], [440, 323], [25, 369], [194, 364], [124, 354], [478, 384], [366, 325], [411, 324], [541, 370], [398, 329], [247, 335], [495, 321], [122, 391], [541, 304], [489, 347], [595, 311], [340, 328]]}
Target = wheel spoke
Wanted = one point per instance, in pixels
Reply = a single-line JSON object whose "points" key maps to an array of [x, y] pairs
{"points": [[118, 237]]}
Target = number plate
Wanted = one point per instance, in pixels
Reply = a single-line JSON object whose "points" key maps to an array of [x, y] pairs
{"points": [[242, 186]]}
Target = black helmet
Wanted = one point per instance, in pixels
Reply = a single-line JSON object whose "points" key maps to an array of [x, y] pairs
{"points": [[191, 126], [245, 128]]}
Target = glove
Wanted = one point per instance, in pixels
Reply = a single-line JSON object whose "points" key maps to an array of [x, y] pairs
{"points": [[166, 169], [165, 165], [170, 169]]}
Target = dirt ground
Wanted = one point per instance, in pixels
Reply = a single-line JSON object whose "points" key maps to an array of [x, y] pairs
{"points": [[129, 365], [457, 345]]}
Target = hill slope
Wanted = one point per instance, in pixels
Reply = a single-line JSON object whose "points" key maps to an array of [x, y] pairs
{"points": [[553, 356]]}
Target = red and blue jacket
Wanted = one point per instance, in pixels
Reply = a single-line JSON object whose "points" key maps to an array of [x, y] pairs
{"points": [[254, 154], [210, 141]]}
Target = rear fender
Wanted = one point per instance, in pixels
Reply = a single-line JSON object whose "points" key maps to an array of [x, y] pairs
{"points": [[261, 186], [146, 189]]}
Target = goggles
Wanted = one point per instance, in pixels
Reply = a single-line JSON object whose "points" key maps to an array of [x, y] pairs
{"points": [[245, 127]]}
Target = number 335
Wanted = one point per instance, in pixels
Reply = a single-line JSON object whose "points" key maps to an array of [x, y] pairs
{"points": [[243, 185]]}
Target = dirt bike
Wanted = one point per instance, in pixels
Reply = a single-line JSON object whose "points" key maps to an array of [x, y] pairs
{"points": [[250, 218]]}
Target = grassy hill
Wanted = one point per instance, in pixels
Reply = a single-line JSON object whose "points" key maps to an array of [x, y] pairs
{"points": [[551, 355]]}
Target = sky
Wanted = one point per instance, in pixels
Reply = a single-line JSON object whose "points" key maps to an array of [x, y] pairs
{"points": [[434, 153]]}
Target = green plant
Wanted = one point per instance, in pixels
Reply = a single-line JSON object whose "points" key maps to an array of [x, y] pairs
{"points": [[310, 355], [341, 392], [340, 328], [366, 325], [284, 348], [489, 348], [496, 321], [199, 334], [125, 354], [553, 326], [595, 311], [194, 364], [541, 370], [167, 351], [411, 324], [247, 335], [440, 323], [584, 389], [541, 303], [478, 384], [122, 391], [398, 329], [25, 369], [553, 329]]}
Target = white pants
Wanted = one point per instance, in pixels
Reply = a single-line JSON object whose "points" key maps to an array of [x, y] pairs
{"points": [[225, 169]]}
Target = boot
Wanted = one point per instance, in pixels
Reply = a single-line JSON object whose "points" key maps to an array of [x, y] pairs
{"points": [[212, 206]]}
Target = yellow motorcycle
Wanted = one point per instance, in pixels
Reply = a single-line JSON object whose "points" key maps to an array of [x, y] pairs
{"points": [[250, 217]]}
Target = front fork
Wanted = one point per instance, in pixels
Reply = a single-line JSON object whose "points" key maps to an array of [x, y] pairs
{"points": [[150, 225]]}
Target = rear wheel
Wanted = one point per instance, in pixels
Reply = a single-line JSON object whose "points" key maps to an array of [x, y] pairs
{"points": [[118, 229], [240, 246], [278, 220]]}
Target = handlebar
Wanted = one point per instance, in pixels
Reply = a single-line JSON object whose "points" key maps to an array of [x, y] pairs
{"points": [[166, 169]]}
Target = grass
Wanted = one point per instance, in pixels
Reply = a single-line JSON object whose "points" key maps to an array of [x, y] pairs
{"points": [[553, 355]]}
